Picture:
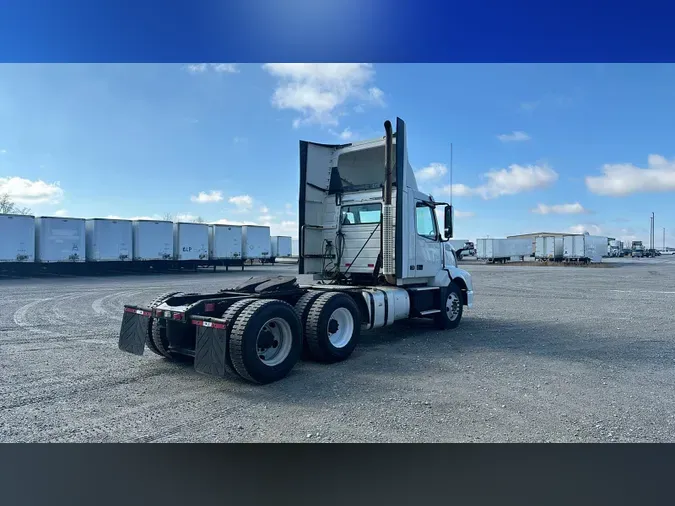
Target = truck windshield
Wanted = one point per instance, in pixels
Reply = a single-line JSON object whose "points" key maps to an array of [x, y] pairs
{"points": [[362, 214]]}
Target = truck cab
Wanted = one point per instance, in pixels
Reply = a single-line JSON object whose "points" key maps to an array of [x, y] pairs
{"points": [[356, 227]]}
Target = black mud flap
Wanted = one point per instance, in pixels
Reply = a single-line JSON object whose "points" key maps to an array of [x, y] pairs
{"points": [[211, 347], [135, 327]]}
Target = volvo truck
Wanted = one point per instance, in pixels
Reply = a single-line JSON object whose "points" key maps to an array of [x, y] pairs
{"points": [[371, 249]]}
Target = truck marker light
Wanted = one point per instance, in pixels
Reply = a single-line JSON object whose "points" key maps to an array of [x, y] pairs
{"points": [[209, 307], [177, 316]]}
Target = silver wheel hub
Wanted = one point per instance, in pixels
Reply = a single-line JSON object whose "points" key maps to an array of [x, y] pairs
{"points": [[340, 327], [453, 306], [274, 341]]}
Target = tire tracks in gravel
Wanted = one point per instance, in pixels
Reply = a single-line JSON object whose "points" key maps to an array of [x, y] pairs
{"points": [[145, 418], [72, 389]]}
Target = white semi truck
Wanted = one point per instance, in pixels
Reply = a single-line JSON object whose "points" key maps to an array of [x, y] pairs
{"points": [[376, 253]]}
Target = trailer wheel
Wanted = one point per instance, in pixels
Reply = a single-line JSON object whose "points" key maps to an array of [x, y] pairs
{"points": [[231, 315], [302, 307], [451, 309], [333, 327], [266, 341], [149, 339]]}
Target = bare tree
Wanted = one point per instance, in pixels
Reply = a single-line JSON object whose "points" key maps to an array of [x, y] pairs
{"points": [[167, 217], [199, 219], [7, 206]]}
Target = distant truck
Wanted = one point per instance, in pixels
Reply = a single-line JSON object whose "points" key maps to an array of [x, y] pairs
{"points": [[463, 247], [638, 250]]}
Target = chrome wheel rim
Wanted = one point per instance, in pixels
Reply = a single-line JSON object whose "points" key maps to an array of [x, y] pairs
{"points": [[452, 306]]}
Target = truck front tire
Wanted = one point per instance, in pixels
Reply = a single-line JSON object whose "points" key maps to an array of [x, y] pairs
{"points": [[333, 327], [451, 308]]}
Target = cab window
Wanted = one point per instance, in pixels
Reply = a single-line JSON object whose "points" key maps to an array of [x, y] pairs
{"points": [[362, 214], [425, 222]]}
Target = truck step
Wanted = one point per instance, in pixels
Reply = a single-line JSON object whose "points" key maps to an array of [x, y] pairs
{"points": [[430, 311], [423, 288]]}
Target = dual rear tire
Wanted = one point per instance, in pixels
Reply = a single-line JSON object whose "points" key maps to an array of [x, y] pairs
{"points": [[266, 338]]}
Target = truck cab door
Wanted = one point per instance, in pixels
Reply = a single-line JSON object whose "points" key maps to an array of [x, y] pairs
{"points": [[427, 260]]}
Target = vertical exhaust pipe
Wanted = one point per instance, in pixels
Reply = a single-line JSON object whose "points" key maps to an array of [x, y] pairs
{"points": [[388, 265]]}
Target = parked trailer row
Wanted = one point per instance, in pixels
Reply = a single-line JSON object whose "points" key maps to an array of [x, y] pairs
{"points": [[62, 240]]}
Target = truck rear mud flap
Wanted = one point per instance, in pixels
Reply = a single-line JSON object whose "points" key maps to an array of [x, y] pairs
{"points": [[134, 330], [211, 344]]}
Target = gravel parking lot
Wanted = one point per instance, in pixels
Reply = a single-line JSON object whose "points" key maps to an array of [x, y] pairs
{"points": [[546, 354]]}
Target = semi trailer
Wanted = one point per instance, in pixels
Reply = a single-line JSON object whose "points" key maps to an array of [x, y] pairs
{"points": [[373, 247]]}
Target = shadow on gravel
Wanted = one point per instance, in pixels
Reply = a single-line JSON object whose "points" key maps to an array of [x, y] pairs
{"points": [[386, 359]]}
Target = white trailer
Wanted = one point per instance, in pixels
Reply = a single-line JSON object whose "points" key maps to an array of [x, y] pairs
{"points": [[152, 240], [17, 238], [108, 240], [190, 241], [501, 250], [255, 242], [59, 239], [281, 247], [584, 248], [225, 242], [548, 247]]}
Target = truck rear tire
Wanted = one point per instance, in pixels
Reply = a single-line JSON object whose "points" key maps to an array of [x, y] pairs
{"points": [[302, 307], [333, 327], [149, 339], [266, 341], [231, 314], [451, 309]]}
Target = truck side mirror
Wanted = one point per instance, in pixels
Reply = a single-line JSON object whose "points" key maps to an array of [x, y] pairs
{"points": [[447, 225]]}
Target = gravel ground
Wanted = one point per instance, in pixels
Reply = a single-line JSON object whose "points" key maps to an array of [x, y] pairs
{"points": [[546, 354]]}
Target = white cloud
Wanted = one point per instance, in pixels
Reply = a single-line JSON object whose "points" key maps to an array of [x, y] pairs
{"points": [[230, 68], [575, 208], [265, 210], [431, 172], [516, 179], [516, 136], [530, 106], [376, 95], [207, 198], [464, 214], [319, 90], [61, 212], [25, 191], [619, 180], [346, 134], [200, 68], [243, 203], [239, 140], [582, 228], [265, 218], [3, 151], [289, 210]]}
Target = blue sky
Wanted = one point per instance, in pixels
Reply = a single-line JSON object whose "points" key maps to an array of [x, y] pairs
{"points": [[536, 147]]}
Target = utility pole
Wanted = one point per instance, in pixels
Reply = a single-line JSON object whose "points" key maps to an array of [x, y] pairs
{"points": [[651, 233], [664, 239]]}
